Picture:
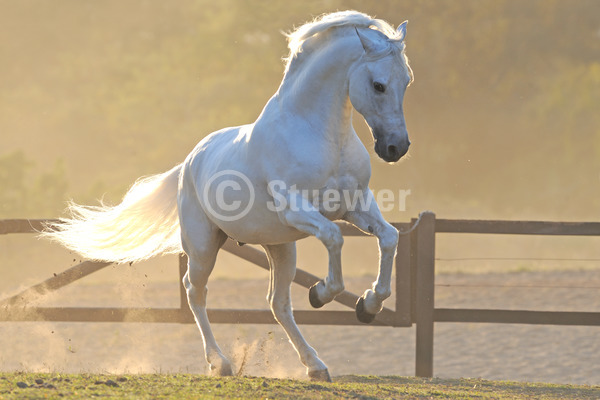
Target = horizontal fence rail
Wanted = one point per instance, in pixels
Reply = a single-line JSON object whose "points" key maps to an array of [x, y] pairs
{"points": [[572, 318], [518, 227]]}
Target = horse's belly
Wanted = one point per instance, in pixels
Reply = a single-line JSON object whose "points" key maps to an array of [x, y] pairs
{"points": [[245, 213], [257, 229]]}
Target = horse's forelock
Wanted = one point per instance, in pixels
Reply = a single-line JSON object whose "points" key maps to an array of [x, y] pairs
{"points": [[337, 19]]}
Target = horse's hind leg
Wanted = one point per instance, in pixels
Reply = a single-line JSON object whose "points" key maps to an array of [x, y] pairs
{"points": [[282, 259], [201, 241]]}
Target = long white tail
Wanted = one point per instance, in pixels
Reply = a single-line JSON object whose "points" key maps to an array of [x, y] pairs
{"points": [[144, 225]]}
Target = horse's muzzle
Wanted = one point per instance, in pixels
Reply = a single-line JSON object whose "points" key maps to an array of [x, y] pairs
{"points": [[391, 152]]}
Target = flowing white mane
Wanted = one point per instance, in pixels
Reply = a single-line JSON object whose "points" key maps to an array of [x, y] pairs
{"points": [[327, 21]]}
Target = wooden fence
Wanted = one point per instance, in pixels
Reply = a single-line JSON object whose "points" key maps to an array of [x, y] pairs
{"points": [[414, 283], [425, 314]]}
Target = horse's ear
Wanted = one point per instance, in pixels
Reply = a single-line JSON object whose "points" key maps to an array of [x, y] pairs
{"points": [[371, 40], [402, 31]]}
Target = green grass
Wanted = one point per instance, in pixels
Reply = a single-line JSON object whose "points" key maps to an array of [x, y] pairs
{"points": [[181, 386]]}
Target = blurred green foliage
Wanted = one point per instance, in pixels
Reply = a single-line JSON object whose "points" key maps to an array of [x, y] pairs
{"points": [[503, 114]]}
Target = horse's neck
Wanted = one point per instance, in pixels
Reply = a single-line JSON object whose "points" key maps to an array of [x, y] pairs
{"points": [[317, 89]]}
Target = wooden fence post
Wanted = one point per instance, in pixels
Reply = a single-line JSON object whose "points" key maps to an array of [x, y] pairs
{"points": [[402, 310], [425, 276]]}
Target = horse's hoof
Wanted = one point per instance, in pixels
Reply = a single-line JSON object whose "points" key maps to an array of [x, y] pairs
{"points": [[362, 315], [313, 298], [224, 370], [321, 375]]}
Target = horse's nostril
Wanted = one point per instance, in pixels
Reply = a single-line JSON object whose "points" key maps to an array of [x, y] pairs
{"points": [[392, 150]]}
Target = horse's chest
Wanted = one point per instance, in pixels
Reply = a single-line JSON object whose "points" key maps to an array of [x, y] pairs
{"points": [[336, 197]]}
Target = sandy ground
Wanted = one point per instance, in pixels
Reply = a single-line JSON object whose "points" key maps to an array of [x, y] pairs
{"points": [[491, 351]]}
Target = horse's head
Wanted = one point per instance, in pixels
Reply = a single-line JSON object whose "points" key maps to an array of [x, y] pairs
{"points": [[376, 86]]}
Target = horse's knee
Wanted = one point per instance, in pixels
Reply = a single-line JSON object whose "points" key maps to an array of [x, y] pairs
{"points": [[388, 239], [331, 237]]}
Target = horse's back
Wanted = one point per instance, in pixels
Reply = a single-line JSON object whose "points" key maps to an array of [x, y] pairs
{"points": [[226, 182], [215, 149]]}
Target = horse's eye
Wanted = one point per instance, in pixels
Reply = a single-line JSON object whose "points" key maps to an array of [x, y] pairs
{"points": [[379, 87]]}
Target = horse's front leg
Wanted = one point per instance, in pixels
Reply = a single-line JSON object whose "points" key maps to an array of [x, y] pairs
{"points": [[371, 221], [302, 215]]}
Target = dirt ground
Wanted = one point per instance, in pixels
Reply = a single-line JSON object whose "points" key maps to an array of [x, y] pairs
{"points": [[491, 351]]}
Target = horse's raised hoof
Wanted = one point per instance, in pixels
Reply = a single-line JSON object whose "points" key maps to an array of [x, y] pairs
{"points": [[321, 375], [362, 315], [313, 298]]}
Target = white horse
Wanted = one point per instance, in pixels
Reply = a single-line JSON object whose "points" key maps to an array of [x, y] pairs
{"points": [[271, 182]]}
